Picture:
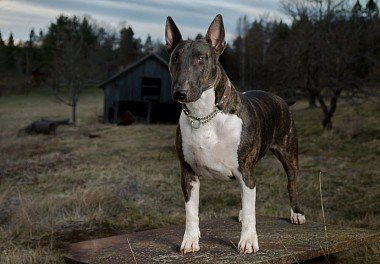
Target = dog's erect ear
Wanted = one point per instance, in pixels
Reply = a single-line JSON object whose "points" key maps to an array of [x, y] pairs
{"points": [[172, 35], [215, 34]]}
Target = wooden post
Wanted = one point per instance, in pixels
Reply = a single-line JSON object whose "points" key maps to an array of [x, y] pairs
{"points": [[149, 109]]}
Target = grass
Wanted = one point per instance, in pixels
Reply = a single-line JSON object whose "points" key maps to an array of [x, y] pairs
{"points": [[59, 189]]}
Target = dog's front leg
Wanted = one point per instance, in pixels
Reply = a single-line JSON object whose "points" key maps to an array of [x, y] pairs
{"points": [[190, 187], [248, 238]]}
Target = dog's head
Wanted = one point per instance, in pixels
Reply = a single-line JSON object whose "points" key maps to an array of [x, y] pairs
{"points": [[193, 63]]}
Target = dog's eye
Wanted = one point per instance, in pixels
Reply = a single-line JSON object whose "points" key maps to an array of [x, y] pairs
{"points": [[200, 58], [175, 58]]}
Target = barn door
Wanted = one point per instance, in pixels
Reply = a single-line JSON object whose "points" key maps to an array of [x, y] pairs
{"points": [[150, 92]]}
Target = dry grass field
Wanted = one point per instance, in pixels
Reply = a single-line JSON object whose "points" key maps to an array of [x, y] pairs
{"points": [[68, 187]]}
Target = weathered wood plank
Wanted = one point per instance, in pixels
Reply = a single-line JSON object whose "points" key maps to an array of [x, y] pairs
{"points": [[280, 242]]}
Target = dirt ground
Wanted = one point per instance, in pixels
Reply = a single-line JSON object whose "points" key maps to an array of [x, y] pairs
{"points": [[58, 189]]}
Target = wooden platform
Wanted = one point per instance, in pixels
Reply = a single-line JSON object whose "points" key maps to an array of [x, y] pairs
{"points": [[279, 240]]}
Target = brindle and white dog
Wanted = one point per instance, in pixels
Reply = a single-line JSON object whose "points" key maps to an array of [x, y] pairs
{"points": [[223, 133]]}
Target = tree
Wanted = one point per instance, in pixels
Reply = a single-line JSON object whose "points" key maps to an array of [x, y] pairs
{"points": [[346, 65], [40, 35], [148, 45], [332, 51], [11, 42], [2, 44], [357, 9], [106, 54], [10, 54], [371, 10], [327, 52], [2, 54], [29, 51], [161, 50], [71, 42], [129, 46], [198, 36], [242, 28], [277, 60], [305, 51]]}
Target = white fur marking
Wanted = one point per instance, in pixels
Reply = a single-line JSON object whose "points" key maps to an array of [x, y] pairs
{"points": [[211, 150], [296, 218], [192, 233], [248, 239]]}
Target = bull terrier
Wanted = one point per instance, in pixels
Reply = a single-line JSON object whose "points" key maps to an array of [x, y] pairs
{"points": [[223, 133]]}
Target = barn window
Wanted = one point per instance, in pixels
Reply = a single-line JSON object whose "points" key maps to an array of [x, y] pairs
{"points": [[150, 88]]}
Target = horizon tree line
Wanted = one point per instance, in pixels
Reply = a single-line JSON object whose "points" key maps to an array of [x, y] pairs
{"points": [[327, 52]]}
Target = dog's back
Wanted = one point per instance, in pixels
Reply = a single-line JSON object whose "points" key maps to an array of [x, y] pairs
{"points": [[268, 104], [272, 115], [254, 93]]}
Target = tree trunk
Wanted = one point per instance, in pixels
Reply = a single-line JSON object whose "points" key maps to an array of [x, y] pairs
{"points": [[312, 101], [327, 122], [74, 113], [327, 115], [148, 118]]}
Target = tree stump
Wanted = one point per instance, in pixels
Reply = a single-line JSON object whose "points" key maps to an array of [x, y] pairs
{"points": [[279, 240]]}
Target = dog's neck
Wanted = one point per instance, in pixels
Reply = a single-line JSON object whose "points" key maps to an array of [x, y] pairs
{"points": [[205, 105]]}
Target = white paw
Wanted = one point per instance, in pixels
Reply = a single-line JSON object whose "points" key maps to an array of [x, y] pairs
{"points": [[190, 242], [240, 215], [248, 242], [296, 218]]}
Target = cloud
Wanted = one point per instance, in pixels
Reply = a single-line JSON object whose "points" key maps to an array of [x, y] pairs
{"points": [[145, 16], [20, 18]]}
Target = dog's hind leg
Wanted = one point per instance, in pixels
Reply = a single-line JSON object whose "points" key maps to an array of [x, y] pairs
{"points": [[288, 156], [248, 239]]}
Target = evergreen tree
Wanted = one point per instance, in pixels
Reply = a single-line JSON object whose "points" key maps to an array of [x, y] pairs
{"points": [[148, 45], [199, 36], [32, 39], [129, 47], [10, 54], [2, 55], [29, 52], [357, 9], [88, 35], [371, 10], [107, 57], [2, 44], [160, 49], [11, 42], [40, 36]]}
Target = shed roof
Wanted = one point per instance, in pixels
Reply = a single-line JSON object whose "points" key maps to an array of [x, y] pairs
{"points": [[134, 65]]}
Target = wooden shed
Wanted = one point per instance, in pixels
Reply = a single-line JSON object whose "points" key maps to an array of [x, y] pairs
{"points": [[143, 89]]}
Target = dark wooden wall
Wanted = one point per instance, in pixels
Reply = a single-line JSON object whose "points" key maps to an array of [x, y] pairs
{"points": [[127, 87]]}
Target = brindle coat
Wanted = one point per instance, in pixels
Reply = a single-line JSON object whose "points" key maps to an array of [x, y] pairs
{"points": [[267, 122]]}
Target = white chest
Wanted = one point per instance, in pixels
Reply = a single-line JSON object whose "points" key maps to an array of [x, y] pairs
{"points": [[211, 150]]}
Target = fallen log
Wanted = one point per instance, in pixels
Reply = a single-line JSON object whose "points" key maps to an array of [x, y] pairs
{"points": [[45, 126]]}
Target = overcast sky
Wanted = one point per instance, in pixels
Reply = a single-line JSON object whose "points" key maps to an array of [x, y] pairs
{"points": [[145, 16]]}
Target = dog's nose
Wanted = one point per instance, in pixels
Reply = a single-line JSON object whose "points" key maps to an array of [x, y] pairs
{"points": [[179, 95]]}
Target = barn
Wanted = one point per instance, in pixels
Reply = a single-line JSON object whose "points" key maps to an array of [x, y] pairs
{"points": [[143, 89]]}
